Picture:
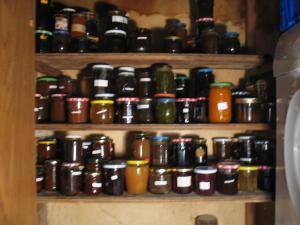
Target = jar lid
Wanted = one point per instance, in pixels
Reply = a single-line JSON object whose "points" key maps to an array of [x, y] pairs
{"points": [[231, 34], [137, 162], [160, 170], [221, 139], [221, 84], [102, 66], [186, 100], [102, 102], [44, 32], [147, 100], [200, 99], [173, 38], [204, 70], [205, 19], [66, 164], [179, 140], [160, 138], [126, 69], [78, 99], [247, 100], [182, 77], [162, 95], [182, 170], [58, 95], [105, 95], [71, 10], [265, 167], [248, 168], [246, 160], [123, 33], [205, 170], [46, 142], [73, 136], [93, 174], [228, 165], [200, 140], [166, 100], [128, 99], [126, 74], [47, 78], [52, 161], [246, 137], [116, 164]]}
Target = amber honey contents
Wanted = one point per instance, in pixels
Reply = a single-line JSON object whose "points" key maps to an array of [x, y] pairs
{"points": [[137, 173]]}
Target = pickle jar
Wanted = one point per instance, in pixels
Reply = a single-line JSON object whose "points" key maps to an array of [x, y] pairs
{"points": [[200, 114], [165, 110], [137, 175], [182, 180], [227, 178], [46, 149], [160, 180], [103, 147], [71, 179], [160, 151], [102, 76], [115, 41], [58, 108], [126, 84], [114, 177], [266, 178], [205, 180], [222, 148], [141, 147], [145, 111], [248, 178], [173, 44], [145, 83], [46, 85], [248, 110], [102, 111], [77, 110], [200, 152], [92, 183], [182, 152], [39, 180], [126, 112], [164, 80], [182, 86], [52, 168], [73, 149], [185, 109]]}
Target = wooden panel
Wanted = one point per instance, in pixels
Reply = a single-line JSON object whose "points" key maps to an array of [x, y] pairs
{"points": [[17, 155]]}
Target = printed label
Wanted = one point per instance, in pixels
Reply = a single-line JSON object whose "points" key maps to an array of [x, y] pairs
{"points": [[179, 89], [76, 112], [86, 144], [118, 19], [77, 173], [222, 106], [78, 28], [128, 89], [102, 111], [127, 117], [53, 86], [98, 151], [160, 183], [204, 186], [100, 83], [61, 23], [185, 110], [125, 20], [142, 38], [97, 185], [114, 177], [39, 179], [145, 79], [229, 181], [143, 106], [184, 181]]}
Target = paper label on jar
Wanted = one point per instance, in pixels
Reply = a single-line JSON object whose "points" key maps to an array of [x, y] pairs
{"points": [[119, 19], [184, 181], [77, 173], [97, 185], [36, 109], [86, 144], [160, 183], [53, 86], [61, 87], [145, 79], [100, 83], [128, 89], [204, 186], [61, 23], [185, 110], [78, 28], [222, 106], [114, 177], [229, 181], [102, 111], [127, 117], [76, 112], [179, 89], [98, 151], [125, 20], [144, 106], [39, 179], [142, 38]]}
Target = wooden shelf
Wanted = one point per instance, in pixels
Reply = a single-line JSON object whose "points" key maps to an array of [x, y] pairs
{"points": [[76, 61], [152, 127], [255, 197]]}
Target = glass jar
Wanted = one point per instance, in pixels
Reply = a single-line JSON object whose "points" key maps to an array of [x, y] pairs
{"points": [[165, 110], [58, 108], [78, 27], [266, 178], [206, 220], [201, 155], [71, 179], [185, 109], [248, 178], [201, 79], [127, 110], [160, 180], [103, 147], [201, 110], [143, 40], [205, 180], [227, 178], [247, 146], [265, 150], [46, 149], [173, 44], [182, 152], [43, 40], [248, 110], [164, 80], [160, 151], [269, 112], [182, 86], [102, 111], [42, 108], [114, 178], [145, 111], [117, 20], [61, 39], [92, 31], [141, 147], [202, 24], [222, 148], [182, 180], [39, 180], [86, 148], [61, 42], [37, 99], [145, 84], [137, 174], [209, 41], [92, 183], [126, 84], [66, 85], [231, 43], [78, 110], [106, 96], [52, 168], [79, 44], [94, 164], [220, 107], [102, 75], [115, 41], [46, 85], [73, 149], [205, 9]]}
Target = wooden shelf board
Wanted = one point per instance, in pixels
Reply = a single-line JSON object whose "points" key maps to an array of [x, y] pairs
{"points": [[255, 197], [150, 127], [76, 61]]}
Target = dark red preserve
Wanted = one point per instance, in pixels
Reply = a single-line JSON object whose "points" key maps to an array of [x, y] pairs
{"points": [[205, 180]]}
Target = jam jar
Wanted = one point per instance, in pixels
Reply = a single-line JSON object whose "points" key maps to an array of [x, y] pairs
{"points": [[201, 155], [52, 168], [137, 174], [103, 147], [92, 183], [204, 23], [86, 83], [266, 178], [67, 85], [182, 86], [142, 40], [43, 106], [46, 85], [115, 41], [201, 110], [247, 146], [78, 27], [70, 179], [86, 148], [145, 83], [231, 43], [201, 78], [248, 178], [165, 110], [145, 111], [43, 41], [77, 110], [58, 108], [222, 148], [126, 112], [114, 177], [182, 180], [269, 112], [160, 151], [173, 44], [185, 109], [206, 220], [205, 180], [92, 31], [164, 80], [46, 149], [94, 164], [265, 150], [141, 147], [160, 180], [117, 20], [182, 152], [39, 180], [248, 110], [73, 149], [102, 76], [220, 107], [126, 84], [37, 102], [227, 178], [102, 111], [209, 41]]}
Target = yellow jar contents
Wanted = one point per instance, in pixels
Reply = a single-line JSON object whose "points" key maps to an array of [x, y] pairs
{"points": [[248, 178], [137, 174]]}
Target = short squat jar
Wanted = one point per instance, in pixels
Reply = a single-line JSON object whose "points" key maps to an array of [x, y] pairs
{"points": [[248, 110], [205, 180], [145, 110], [227, 178], [231, 43], [115, 41], [102, 111], [185, 109], [127, 110], [182, 152], [160, 151], [78, 110], [114, 177], [126, 84], [222, 148], [266, 178], [52, 169], [71, 179], [160, 180], [182, 180], [58, 108], [165, 111], [46, 149], [137, 175], [248, 178], [92, 183]]}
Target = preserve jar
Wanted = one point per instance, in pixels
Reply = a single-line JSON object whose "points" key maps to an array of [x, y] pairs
{"points": [[43, 108], [58, 108], [117, 20], [206, 220], [142, 40], [137, 174], [46, 149], [115, 41], [46, 85], [227, 178], [94, 164], [160, 180], [248, 110], [182, 86], [165, 110], [145, 84], [114, 177], [266, 178], [209, 41], [182, 152], [86, 83], [202, 24], [141, 147], [61, 42], [102, 76], [173, 44], [247, 146], [164, 80], [106, 96], [201, 79], [201, 110], [222, 148], [52, 168], [67, 85], [92, 31], [39, 180], [102, 111], [160, 151], [185, 109], [78, 110], [126, 84], [103, 147], [265, 150], [231, 43], [86, 148], [78, 27], [37, 102], [92, 183], [248, 178], [205, 180], [43, 41], [73, 149], [70, 179], [201, 155], [269, 112], [126, 112], [220, 107], [145, 111], [182, 180]]}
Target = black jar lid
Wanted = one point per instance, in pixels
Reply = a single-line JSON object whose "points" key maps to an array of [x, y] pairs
{"points": [[115, 32]]}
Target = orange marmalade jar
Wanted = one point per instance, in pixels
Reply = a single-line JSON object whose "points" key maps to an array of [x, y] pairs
{"points": [[220, 107]]}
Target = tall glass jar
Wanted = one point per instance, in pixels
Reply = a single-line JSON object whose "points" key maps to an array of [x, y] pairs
{"points": [[141, 147], [164, 80], [209, 41], [182, 152], [126, 84], [201, 110], [142, 40], [126, 112], [73, 149], [227, 178], [145, 111], [231, 43], [165, 110], [160, 180], [58, 108], [71, 179], [201, 79], [201, 153], [102, 74], [248, 178], [145, 84], [182, 86], [137, 174], [160, 151]]}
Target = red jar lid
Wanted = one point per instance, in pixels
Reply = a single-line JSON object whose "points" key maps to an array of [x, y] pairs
{"points": [[205, 19], [228, 166], [186, 100], [128, 100], [202, 98], [162, 95], [78, 99], [178, 140]]}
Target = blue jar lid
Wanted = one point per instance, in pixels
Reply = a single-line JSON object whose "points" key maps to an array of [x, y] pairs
{"points": [[160, 138], [166, 100], [231, 34], [205, 70]]}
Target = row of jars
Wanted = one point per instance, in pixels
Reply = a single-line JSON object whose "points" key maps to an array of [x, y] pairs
{"points": [[136, 177]]}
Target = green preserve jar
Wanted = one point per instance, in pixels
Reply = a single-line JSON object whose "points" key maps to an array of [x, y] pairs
{"points": [[165, 110], [164, 80]]}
